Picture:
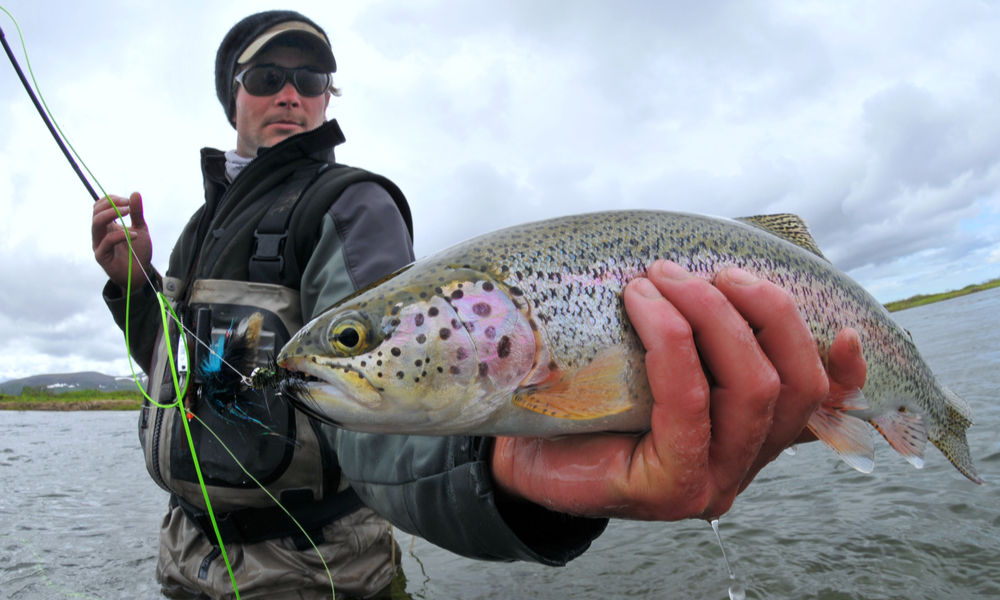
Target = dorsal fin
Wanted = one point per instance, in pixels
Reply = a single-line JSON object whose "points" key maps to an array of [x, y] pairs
{"points": [[788, 227]]}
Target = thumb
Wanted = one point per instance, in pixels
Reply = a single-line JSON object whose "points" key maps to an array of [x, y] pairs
{"points": [[846, 366]]}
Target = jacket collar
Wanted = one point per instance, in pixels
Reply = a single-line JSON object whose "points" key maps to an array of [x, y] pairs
{"points": [[317, 144]]}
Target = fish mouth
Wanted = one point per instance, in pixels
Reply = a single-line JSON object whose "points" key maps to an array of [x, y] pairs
{"points": [[329, 385]]}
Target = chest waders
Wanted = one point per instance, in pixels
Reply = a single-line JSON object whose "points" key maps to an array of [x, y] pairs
{"points": [[286, 451]]}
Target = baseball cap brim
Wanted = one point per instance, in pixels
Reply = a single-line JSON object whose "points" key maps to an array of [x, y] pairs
{"points": [[292, 28]]}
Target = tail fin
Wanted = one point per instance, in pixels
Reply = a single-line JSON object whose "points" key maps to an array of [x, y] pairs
{"points": [[950, 437]]}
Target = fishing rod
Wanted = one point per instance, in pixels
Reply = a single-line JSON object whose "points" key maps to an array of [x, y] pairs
{"points": [[45, 117]]}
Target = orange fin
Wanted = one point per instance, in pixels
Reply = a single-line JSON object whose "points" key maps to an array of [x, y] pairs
{"points": [[850, 437], [906, 433], [597, 390]]}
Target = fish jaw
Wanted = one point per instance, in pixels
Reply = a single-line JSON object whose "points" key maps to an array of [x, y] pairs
{"points": [[429, 361]]}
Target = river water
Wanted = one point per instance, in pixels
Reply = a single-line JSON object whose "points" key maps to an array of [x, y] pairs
{"points": [[78, 514]]}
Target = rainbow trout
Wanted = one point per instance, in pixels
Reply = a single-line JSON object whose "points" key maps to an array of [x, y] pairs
{"points": [[523, 332]]}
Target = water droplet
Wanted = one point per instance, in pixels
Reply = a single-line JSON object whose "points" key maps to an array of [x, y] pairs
{"points": [[791, 450], [736, 589]]}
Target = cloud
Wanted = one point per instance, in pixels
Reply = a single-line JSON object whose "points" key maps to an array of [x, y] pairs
{"points": [[53, 319], [875, 122]]}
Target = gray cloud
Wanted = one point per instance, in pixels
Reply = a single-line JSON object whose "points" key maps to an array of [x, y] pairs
{"points": [[878, 124], [53, 313]]}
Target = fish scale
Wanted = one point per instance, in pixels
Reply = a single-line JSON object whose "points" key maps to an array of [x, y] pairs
{"points": [[560, 282]]}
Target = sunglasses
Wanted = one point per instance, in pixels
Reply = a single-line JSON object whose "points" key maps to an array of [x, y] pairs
{"points": [[267, 80]]}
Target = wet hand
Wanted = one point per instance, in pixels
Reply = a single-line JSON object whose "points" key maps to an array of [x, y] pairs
{"points": [[708, 438], [108, 238]]}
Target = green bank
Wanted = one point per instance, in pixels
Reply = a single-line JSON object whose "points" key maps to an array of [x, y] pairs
{"points": [[921, 299], [32, 398]]}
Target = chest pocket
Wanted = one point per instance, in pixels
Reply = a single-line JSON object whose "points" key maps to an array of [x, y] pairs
{"points": [[256, 435]]}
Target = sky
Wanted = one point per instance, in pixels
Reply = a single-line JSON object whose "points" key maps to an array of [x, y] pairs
{"points": [[878, 123]]}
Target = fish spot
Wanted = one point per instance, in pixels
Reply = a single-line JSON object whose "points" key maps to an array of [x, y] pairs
{"points": [[462, 354], [394, 322], [455, 324], [482, 309], [457, 294], [553, 366], [396, 351], [433, 311], [399, 375], [418, 320], [445, 333], [484, 369], [418, 363], [440, 370], [364, 364], [423, 374], [395, 310], [503, 347], [416, 380], [421, 338], [534, 326], [454, 370], [487, 287], [491, 332]]}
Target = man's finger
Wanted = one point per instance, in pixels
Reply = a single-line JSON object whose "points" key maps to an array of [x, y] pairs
{"points": [[135, 208], [746, 384], [785, 338], [681, 392], [846, 363]]}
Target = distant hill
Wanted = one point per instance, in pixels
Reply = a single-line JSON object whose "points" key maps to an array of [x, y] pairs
{"points": [[67, 382]]}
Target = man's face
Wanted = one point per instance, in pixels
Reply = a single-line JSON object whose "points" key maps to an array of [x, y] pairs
{"points": [[267, 120]]}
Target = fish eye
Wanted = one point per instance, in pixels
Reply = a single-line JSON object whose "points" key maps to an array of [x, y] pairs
{"points": [[349, 336]]}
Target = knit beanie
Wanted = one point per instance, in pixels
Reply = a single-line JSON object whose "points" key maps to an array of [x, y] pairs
{"points": [[251, 35]]}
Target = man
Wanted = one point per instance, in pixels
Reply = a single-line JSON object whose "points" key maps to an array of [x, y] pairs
{"points": [[286, 232]]}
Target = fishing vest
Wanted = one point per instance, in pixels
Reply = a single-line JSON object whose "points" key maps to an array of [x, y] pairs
{"points": [[259, 441]]}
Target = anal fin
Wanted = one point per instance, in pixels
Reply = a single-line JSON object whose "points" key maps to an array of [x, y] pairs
{"points": [[906, 433], [598, 390]]}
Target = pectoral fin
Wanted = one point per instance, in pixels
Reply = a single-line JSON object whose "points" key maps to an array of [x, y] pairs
{"points": [[598, 390]]}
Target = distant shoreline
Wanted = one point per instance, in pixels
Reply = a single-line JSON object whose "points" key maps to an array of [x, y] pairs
{"points": [[922, 299], [71, 405]]}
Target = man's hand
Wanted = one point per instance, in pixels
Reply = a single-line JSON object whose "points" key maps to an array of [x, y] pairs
{"points": [[108, 238], [709, 436]]}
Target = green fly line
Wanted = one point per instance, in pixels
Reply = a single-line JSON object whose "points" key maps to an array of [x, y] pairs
{"points": [[166, 313]]}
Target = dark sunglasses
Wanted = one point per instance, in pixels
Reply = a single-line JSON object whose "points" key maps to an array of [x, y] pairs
{"points": [[267, 80]]}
